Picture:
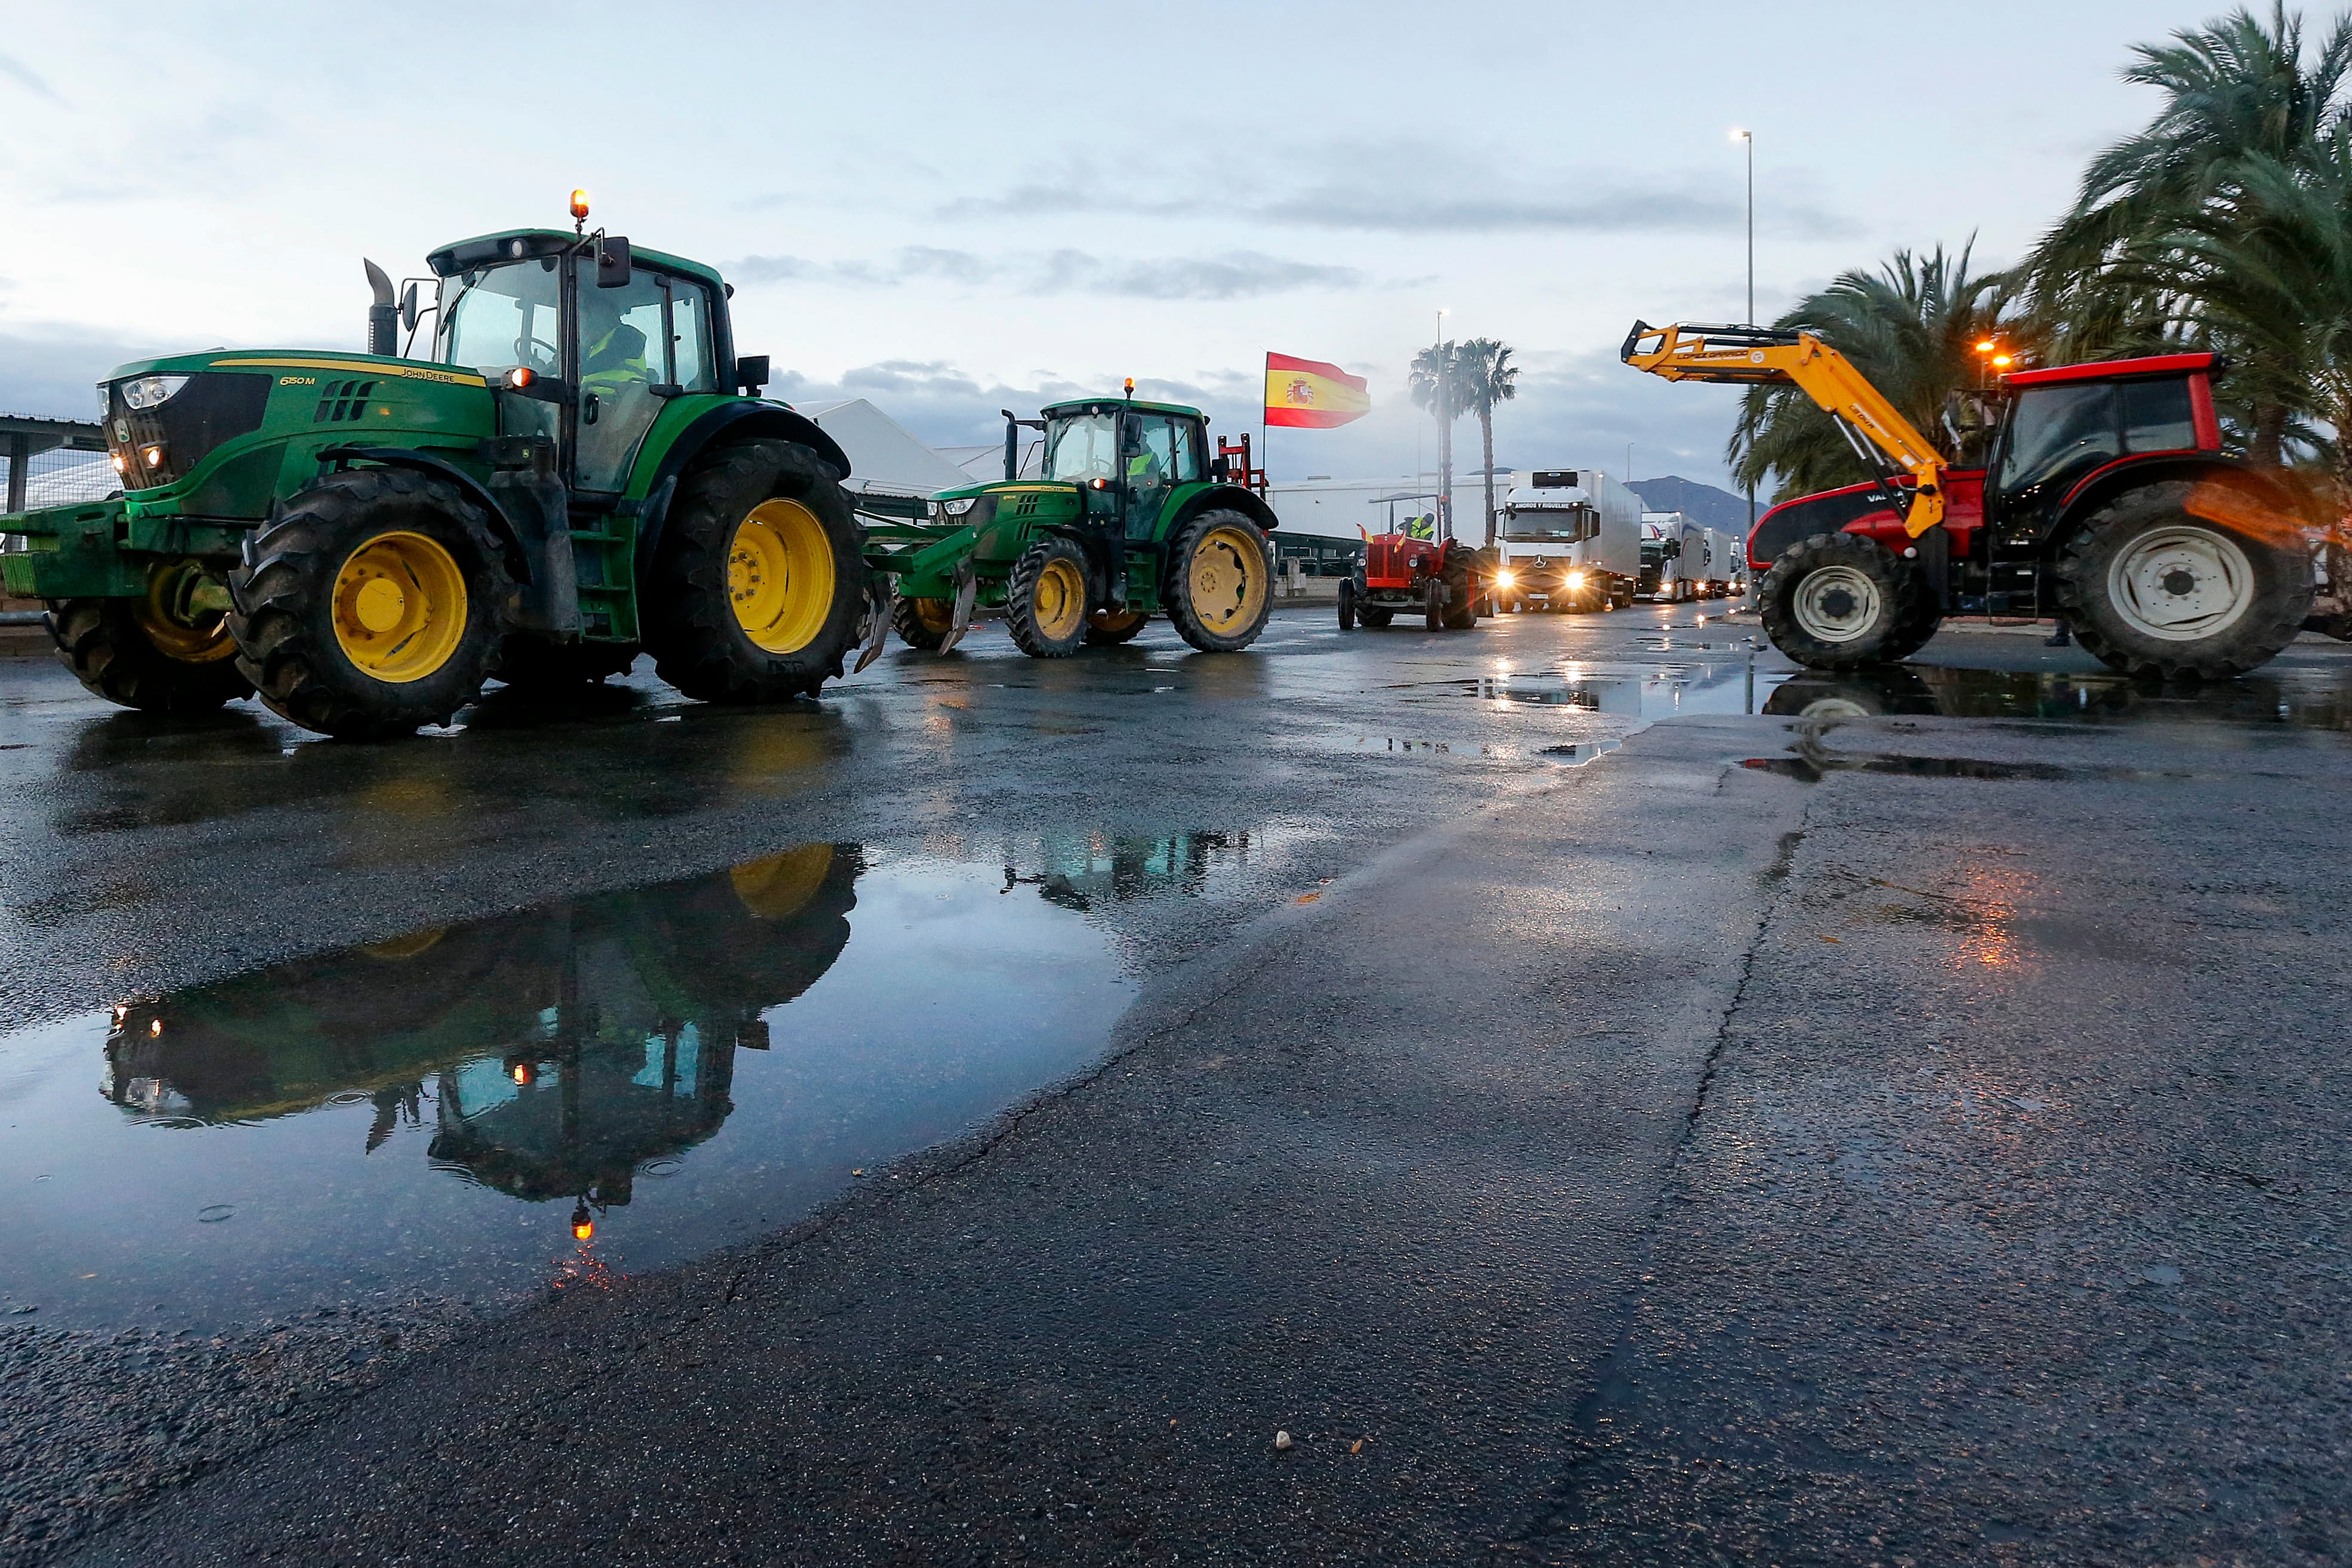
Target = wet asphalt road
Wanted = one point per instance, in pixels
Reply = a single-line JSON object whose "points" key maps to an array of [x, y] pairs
{"points": [[1925, 1144]]}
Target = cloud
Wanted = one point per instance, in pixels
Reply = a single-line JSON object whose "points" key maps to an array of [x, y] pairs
{"points": [[1412, 189], [17, 71], [52, 374], [1233, 275]]}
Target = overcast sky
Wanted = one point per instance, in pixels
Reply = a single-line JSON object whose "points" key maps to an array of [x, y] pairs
{"points": [[952, 208]]}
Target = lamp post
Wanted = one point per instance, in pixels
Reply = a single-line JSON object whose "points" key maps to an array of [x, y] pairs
{"points": [[1748, 137]]}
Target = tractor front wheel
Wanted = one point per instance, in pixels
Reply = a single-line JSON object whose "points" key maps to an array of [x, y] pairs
{"points": [[1220, 588], [376, 602], [2153, 589], [151, 653], [1347, 605], [924, 622], [1109, 628], [1046, 599], [1840, 601], [758, 591]]}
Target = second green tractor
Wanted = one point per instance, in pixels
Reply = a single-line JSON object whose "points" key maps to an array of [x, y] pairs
{"points": [[1127, 516]]}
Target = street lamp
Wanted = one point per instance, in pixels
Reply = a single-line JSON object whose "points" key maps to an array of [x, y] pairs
{"points": [[1444, 433], [1748, 137]]}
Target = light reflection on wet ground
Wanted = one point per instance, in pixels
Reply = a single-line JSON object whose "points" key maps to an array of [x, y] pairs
{"points": [[617, 1082]]}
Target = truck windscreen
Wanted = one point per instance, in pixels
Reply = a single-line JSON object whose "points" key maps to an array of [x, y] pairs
{"points": [[1565, 526]]}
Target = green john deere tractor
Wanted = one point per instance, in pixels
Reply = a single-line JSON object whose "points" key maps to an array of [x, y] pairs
{"points": [[1129, 517], [578, 466]]}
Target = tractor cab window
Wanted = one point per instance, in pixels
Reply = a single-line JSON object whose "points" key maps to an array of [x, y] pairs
{"points": [[497, 318], [2158, 416], [1146, 453], [2058, 432], [689, 330], [1082, 448], [623, 339], [1188, 466]]}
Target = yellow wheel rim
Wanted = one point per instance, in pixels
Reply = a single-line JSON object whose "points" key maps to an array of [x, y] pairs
{"points": [[171, 622], [400, 607], [780, 575], [934, 614], [1227, 577], [1060, 600], [778, 887]]}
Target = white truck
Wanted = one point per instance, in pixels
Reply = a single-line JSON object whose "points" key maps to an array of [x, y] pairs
{"points": [[1721, 563], [1672, 548], [1571, 540]]}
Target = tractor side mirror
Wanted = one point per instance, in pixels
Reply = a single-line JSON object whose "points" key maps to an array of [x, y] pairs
{"points": [[613, 268], [1220, 469], [408, 308], [752, 372]]}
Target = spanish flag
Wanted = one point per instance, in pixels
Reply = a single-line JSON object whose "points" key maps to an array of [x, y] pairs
{"points": [[1308, 392]]}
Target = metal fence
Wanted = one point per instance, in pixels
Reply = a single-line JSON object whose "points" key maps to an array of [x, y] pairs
{"points": [[60, 478]]}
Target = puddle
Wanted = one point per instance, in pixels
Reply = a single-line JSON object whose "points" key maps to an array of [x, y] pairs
{"points": [[603, 1084], [1643, 693], [2313, 698]]}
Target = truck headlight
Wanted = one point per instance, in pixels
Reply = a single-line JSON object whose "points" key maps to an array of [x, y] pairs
{"points": [[1506, 578], [151, 391], [1575, 579]]}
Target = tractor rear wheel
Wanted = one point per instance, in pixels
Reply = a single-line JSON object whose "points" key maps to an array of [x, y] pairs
{"points": [[376, 602], [1840, 601], [924, 622], [147, 654], [1220, 588], [2153, 589], [758, 590], [1375, 616], [1046, 599], [535, 664], [1107, 628]]}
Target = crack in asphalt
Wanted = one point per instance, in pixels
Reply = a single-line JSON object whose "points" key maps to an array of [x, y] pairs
{"points": [[1584, 1420]]}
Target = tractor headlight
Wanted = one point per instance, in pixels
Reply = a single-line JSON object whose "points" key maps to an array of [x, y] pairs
{"points": [[959, 506], [151, 391]]}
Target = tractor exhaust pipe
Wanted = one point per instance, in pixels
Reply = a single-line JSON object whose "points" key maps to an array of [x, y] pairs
{"points": [[383, 316]]}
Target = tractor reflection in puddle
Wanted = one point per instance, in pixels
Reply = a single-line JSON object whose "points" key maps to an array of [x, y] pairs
{"points": [[2282, 694], [559, 1050], [1081, 870]]}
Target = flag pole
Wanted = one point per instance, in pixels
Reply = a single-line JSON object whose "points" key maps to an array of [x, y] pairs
{"points": [[1261, 422]]}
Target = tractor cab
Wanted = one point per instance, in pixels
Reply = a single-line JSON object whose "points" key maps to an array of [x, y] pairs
{"points": [[1125, 457], [583, 339]]}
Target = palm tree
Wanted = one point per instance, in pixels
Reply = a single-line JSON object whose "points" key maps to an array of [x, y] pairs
{"points": [[1490, 378], [2271, 273], [1438, 383], [2119, 272], [1912, 326]]}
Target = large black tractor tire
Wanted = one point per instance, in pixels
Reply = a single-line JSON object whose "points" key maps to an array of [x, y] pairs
{"points": [[376, 601], [1109, 628], [1840, 601], [1046, 599], [1433, 605], [923, 623], [2153, 589], [757, 591], [1461, 609], [1220, 587], [1347, 604], [1375, 616], [533, 664], [109, 651]]}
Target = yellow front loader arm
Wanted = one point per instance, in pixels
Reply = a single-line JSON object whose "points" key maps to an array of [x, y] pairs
{"points": [[1761, 355]]}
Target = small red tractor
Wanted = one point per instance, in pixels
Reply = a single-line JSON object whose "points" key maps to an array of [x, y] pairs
{"points": [[1446, 580]]}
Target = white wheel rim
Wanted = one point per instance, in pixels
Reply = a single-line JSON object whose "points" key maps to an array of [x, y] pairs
{"points": [[1837, 604], [2181, 583]]}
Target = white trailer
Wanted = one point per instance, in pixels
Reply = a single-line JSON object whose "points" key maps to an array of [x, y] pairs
{"points": [[1722, 556], [1672, 546], [1570, 539]]}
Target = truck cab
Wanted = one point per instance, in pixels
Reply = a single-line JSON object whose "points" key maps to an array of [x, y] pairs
{"points": [[1672, 546], [1571, 540]]}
